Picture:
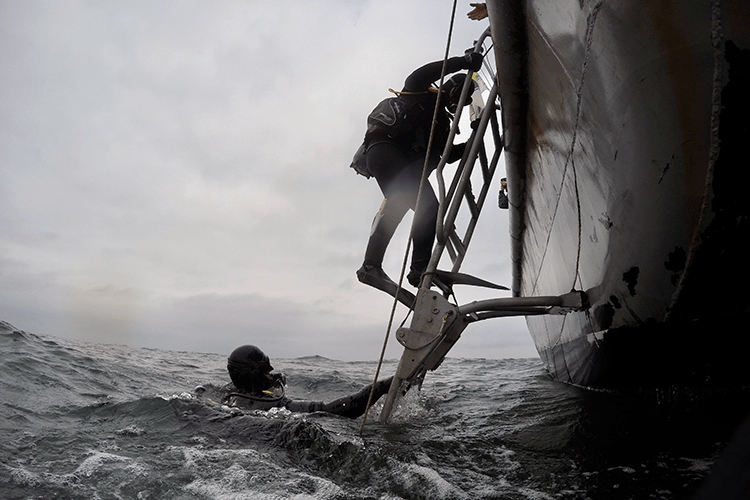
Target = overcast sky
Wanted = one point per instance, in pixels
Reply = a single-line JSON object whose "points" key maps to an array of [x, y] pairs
{"points": [[174, 174]]}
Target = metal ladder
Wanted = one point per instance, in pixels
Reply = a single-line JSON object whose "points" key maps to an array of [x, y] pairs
{"points": [[437, 323]]}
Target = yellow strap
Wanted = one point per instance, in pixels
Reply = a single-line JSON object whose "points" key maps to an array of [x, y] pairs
{"points": [[410, 93]]}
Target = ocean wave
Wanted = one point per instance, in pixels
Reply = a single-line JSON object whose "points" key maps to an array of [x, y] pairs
{"points": [[83, 420]]}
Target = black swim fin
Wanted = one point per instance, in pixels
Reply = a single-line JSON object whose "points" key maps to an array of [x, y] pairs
{"points": [[376, 278], [450, 278]]}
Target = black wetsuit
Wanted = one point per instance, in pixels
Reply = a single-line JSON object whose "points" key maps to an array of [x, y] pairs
{"points": [[351, 406], [397, 163]]}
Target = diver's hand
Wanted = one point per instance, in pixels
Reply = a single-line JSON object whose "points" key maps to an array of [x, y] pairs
{"points": [[479, 11], [475, 60]]}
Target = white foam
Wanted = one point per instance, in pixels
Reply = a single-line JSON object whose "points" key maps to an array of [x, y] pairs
{"points": [[626, 470], [131, 430], [251, 475], [96, 460], [183, 396], [23, 477], [419, 478]]}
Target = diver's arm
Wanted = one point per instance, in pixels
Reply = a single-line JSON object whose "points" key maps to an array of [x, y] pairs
{"points": [[351, 406], [421, 79], [304, 406]]}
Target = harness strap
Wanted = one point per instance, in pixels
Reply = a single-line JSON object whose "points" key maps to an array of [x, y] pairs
{"points": [[404, 92]]}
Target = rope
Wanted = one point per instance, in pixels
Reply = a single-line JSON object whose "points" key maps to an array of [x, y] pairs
{"points": [[422, 181]]}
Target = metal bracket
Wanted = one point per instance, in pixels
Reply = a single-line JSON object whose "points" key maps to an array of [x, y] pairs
{"points": [[432, 313], [525, 306], [435, 328], [437, 325]]}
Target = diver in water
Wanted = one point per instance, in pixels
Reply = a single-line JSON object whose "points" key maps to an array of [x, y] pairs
{"points": [[254, 387], [395, 156]]}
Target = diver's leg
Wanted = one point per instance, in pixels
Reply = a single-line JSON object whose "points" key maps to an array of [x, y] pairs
{"points": [[399, 178], [386, 162], [371, 273], [424, 234], [406, 187], [383, 226]]}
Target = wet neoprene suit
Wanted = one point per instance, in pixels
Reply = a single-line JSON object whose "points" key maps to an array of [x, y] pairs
{"points": [[351, 406], [397, 166]]}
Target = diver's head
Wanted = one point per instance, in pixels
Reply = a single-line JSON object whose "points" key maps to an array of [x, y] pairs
{"points": [[453, 87], [250, 369]]}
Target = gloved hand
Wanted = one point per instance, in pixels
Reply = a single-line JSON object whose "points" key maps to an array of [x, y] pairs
{"points": [[478, 12], [474, 59], [457, 151]]}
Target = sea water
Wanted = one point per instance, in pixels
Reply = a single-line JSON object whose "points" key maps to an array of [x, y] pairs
{"points": [[93, 421]]}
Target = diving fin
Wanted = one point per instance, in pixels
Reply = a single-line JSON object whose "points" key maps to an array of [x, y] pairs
{"points": [[450, 278], [376, 278]]}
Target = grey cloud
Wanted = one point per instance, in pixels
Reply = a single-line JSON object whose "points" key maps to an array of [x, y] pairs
{"points": [[161, 161]]}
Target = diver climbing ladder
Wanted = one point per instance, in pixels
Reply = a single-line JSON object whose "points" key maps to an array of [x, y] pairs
{"points": [[437, 323]]}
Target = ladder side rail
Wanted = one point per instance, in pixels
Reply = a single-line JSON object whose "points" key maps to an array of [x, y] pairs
{"points": [[479, 205], [453, 242], [449, 219], [455, 246], [452, 134], [441, 234], [474, 136], [449, 216], [453, 252], [488, 173], [443, 196], [488, 170], [471, 200], [483, 162], [496, 135], [459, 170], [479, 202], [467, 161]]}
